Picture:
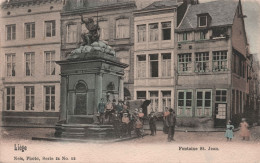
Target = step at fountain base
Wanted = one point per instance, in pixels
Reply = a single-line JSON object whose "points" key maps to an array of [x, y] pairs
{"points": [[84, 131]]}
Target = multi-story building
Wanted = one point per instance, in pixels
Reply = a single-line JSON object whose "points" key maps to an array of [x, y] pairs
{"points": [[187, 56], [253, 103], [30, 45], [212, 84], [154, 76], [115, 19]]}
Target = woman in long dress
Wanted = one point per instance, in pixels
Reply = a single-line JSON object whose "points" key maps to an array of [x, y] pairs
{"points": [[244, 132], [229, 131]]}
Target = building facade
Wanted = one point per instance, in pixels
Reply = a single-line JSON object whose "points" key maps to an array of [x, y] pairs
{"points": [[30, 45], [212, 84], [154, 54], [183, 55]]}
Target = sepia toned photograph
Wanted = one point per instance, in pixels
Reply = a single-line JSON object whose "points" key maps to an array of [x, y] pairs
{"points": [[130, 81]]}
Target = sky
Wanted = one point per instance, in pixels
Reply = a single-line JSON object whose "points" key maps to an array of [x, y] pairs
{"points": [[251, 8]]}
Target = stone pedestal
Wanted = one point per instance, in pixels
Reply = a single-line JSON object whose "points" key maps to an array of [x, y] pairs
{"points": [[84, 81]]}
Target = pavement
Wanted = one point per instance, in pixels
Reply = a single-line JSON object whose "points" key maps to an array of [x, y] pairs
{"points": [[159, 126], [197, 147], [26, 133]]}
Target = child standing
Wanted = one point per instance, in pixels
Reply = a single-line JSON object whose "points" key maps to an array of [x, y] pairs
{"points": [[138, 126], [229, 131], [125, 124], [244, 132]]}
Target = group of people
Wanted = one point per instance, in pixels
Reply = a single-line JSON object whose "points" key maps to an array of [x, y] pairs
{"points": [[105, 110], [169, 119], [244, 131], [124, 121], [119, 115]]}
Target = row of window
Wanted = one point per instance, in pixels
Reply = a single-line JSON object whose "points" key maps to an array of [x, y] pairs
{"points": [[153, 66], [238, 101], [217, 32], [153, 32], [203, 102], [29, 101], [29, 62], [159, 99], [30, 30], [219, 60], [122, 30]]}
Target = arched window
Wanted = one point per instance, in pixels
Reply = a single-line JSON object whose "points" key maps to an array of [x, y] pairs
{"points": [[127, 94]]}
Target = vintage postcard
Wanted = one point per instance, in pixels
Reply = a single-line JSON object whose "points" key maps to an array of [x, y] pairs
{"points": [[127, 81]]}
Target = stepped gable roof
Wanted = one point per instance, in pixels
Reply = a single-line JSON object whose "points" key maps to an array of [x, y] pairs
{"points": [[221, 12], [160, 4]]}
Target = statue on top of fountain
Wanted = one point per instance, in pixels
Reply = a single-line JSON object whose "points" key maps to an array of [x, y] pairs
{"points": [[91, 42], [93, 34]]}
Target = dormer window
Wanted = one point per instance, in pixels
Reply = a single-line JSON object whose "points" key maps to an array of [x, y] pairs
{"points": [[202, 21]]}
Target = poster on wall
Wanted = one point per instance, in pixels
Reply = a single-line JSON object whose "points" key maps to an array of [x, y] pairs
{"points": [[221, 111]]}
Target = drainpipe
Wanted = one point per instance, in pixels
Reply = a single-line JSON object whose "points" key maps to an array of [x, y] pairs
{"points": [[67, 98]]}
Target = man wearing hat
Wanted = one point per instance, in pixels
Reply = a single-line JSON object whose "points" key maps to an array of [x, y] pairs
{"points": [[152, 123], [119, 106], [170, 123], [101, 110]]}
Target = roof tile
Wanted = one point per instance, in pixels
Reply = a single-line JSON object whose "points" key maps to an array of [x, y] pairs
{"points": [[221, 12]]}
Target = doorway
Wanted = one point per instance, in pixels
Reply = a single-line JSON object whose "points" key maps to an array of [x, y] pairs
{"points": [[220, 114], [81, 99]]}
